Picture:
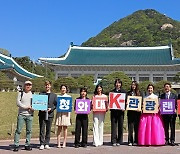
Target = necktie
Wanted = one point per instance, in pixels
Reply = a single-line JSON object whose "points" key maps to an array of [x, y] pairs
{"points": [[167, 96]]}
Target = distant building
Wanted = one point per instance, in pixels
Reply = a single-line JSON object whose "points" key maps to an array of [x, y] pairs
{"points": [[14, 70], [139, 63]]}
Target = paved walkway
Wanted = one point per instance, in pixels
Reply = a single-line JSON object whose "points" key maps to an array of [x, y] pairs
{"points": [[7, 146]]}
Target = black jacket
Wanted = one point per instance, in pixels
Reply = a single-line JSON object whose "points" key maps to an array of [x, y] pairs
{"points": [[52, 103]]}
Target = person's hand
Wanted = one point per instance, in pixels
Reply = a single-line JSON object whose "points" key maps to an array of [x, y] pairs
{"points": [[49, 109], [30, 108]]}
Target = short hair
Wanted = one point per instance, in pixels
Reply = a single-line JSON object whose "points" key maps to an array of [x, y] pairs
{"points": [[83, 89], [150, 85], [119, 81], [64, 86], [167, 83], [47, 82]]}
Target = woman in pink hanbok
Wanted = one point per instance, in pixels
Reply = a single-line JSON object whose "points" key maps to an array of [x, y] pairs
{"points": [[151, 128]]}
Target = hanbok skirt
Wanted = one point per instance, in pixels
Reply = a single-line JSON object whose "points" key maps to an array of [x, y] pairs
{"points": [[151, 130]]}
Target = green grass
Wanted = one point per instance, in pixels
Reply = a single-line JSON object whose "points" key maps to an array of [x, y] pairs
{"points": [[8, 118]]}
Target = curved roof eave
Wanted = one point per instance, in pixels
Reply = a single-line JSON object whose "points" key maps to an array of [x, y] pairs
{"points": [[32, 74], [102, 48], [112, 65], [15, 64]]}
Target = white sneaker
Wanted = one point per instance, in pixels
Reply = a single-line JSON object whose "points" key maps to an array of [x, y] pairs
{"points": [[47, 147], [41, 147]]}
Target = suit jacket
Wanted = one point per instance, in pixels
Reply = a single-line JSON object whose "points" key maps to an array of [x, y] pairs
{"points": [[179, 96], [52, 103], [172, 96]]}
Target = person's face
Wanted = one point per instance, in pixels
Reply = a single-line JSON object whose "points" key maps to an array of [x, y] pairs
{"points": [[63, 90], [167, 88], [99, 90], [48, 87], [118, 85], [28, 87], [150, 89], [83, 94], [133, 85]]}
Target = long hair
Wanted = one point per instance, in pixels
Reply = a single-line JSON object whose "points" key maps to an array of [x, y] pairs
{"points": [[95, 91], [137, 92]]}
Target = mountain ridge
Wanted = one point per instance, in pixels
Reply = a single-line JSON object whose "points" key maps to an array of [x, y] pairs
{"points": [[141, 28]]}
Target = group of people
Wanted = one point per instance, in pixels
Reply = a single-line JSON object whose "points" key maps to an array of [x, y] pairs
{"points": [[148, 128]]}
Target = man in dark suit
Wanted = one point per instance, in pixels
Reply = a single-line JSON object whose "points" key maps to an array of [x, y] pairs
{"points": [[169, 119], [46, 117]]}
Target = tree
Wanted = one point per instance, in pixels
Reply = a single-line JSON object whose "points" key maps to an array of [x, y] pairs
{"points": [[5, 82], [70, 82], [108, 81], [177, 77], [3, 76], [143, 86], [4, 52], [159, 87], [35, 67], [38, 84], [86, 81]]}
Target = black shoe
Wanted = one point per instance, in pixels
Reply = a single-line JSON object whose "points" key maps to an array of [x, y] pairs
{"points": [[172, 144], [28, 148], [16, 149], [76, 146], [84, 145], [167, 143]]}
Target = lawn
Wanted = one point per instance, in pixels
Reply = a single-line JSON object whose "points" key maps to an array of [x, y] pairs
{"points": [[8, 115]]}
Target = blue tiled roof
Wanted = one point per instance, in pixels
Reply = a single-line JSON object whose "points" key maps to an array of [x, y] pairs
{"points": [[116, 56], [9, 63]]}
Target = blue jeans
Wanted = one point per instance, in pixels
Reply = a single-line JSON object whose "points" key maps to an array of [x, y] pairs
{"points": [[21, 119]]}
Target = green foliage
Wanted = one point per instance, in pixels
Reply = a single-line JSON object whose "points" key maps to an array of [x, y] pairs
{"points": [[4, 52], [108, 81], [34, 67], [159, 86], [38, 84], [143, 86], [70, 82], [5, 82], [86, 81], [3, 76], [142, 28], [177, 77]]}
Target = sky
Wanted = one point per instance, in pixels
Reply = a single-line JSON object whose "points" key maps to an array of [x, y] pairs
{"points": [[45, 28]]}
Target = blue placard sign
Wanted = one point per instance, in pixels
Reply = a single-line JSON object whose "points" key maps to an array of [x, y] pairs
{"points": [[64, 104], [39, 102]]}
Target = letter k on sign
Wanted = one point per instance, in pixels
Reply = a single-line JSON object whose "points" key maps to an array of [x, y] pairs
{"points": [[117, 100]]}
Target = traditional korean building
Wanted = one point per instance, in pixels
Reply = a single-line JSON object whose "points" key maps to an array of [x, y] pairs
{"points": [[139, 63], [14, 70]]}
